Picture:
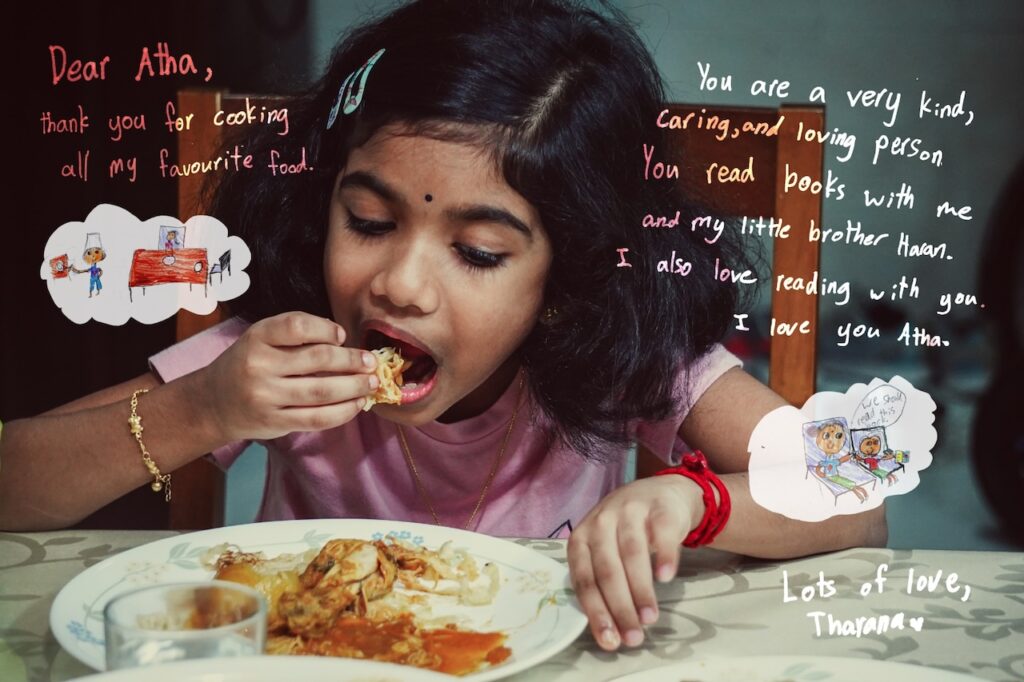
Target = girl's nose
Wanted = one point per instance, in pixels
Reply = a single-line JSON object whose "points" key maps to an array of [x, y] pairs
{"points": [[406, 280]]}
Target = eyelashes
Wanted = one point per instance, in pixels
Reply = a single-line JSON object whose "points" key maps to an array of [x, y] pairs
{"points": [[483, 260], [368, 228], [471, 258]]}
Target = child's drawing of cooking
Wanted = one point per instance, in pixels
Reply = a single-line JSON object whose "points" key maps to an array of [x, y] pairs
{"points": [[146, 270], [92, 255]]}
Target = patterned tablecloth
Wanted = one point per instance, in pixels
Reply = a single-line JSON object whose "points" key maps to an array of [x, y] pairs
{"points": [[721, 605]]}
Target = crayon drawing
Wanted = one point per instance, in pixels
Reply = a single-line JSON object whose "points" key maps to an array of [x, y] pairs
{"points": [[828, 458], [92, 255], [872, 452], [141, 268], [842, 453]]}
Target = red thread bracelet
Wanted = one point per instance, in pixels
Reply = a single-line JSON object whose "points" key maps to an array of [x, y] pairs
{"points": [[695, 467]]}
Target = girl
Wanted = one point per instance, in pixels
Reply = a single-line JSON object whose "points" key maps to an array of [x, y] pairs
{"points": [[475, 167]]}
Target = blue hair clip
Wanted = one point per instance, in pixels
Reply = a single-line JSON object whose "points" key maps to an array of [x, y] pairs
{"points": [[350, 94]]}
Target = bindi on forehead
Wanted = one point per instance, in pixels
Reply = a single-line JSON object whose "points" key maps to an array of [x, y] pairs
{"points": [[429, 197]]}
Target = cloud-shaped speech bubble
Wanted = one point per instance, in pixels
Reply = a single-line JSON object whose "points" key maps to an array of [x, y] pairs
{"points": [[114, 267], [842, 453], [882, 406]]}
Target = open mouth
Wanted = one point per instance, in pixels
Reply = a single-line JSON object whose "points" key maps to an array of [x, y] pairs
{"points": [[420, 369]]}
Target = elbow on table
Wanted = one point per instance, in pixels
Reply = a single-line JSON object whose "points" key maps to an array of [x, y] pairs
{"points": [[868, 528], [874, 527], [21, 515], [30, 499], [865, 529], [22, 519]]}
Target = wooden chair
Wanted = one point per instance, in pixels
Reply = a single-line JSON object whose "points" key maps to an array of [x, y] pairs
{"points": [[792, 359], [203, 504]]}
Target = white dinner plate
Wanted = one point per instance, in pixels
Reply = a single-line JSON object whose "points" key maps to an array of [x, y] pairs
{"points": [[793, 669], [272, 669], [535, 606]]}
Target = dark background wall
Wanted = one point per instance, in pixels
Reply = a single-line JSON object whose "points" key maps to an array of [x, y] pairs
{"points": [[45, 359]]}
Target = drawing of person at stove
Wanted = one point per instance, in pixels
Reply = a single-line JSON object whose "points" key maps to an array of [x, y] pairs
{"points": [[92, 255]]}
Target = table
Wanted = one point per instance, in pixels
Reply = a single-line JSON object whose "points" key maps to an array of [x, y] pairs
{"points": [[159, 266], [721, 604]]}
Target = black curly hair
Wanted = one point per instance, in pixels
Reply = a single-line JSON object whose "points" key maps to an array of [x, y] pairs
{"points": [[565, 96]]}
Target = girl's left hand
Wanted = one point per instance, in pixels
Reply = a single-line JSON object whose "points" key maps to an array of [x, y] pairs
{"points": [[610, 554]]}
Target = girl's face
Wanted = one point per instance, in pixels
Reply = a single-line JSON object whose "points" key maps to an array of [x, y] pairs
{"points": [[429, 250]]}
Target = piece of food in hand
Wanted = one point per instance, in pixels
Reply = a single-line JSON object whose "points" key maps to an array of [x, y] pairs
{"points": [[389, 373]]}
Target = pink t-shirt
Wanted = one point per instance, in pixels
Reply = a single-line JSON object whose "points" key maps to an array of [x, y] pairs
{"points": [[358, 470]]}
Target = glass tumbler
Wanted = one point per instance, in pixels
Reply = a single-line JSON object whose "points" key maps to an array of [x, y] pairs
{"points": [[164, 623]]}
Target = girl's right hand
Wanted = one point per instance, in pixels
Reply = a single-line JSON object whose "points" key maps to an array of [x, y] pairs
{"points": [[287, 373]]}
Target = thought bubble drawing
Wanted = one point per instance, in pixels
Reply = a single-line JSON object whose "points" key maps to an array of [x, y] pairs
{"points": [[842, 453], [114, 267]]}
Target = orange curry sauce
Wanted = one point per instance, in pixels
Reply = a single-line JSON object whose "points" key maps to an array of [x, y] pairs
{"points": [[447, 650]]}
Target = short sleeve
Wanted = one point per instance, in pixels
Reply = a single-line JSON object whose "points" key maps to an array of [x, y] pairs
{"points": [[195, 353], [662, 437]]}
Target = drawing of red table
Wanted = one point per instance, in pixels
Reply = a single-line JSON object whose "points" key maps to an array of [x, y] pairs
{"points": [[163, 266]]}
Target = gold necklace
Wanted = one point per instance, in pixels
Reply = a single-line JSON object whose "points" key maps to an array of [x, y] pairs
{"points": [[490, 476]]}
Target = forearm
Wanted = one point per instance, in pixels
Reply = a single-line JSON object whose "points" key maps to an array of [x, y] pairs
{"points": [[756, 531], [57, 468], [720, 425]]}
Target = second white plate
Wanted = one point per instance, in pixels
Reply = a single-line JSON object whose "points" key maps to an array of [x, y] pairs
{"points": [[272, 669]]}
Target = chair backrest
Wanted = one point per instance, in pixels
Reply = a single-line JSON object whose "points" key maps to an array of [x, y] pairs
{"points": [[202, 506], [792, 359]]}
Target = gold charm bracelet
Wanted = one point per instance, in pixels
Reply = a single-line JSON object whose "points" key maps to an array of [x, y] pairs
{"points": [[160, 481]]}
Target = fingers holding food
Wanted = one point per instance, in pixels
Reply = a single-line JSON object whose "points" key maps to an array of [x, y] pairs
{"points": [[314, 391], [297, 328], [322, 358]]}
